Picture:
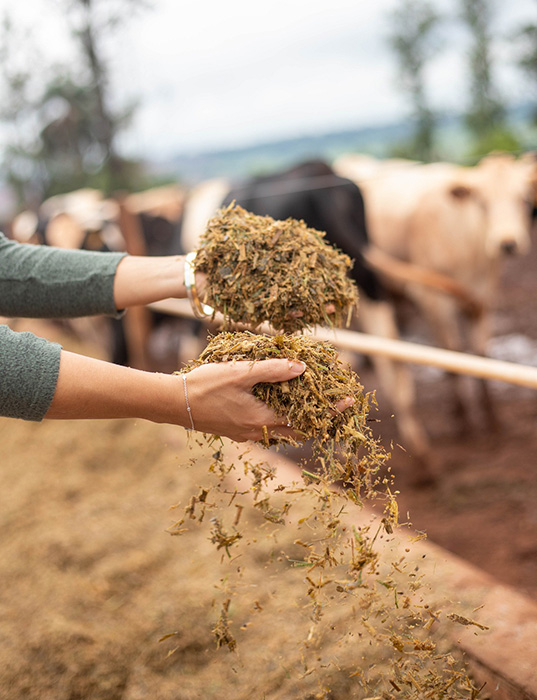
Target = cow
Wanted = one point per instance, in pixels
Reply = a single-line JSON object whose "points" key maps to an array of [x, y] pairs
{"points": [[459, 222], [313, 192], [151, 224]]}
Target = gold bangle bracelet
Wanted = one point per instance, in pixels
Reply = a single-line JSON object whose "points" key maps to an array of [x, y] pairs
{"points": [[200, 310]]}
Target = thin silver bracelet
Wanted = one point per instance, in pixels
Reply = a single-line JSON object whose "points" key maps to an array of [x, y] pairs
{"points": [[200, 310], [187, 403]]}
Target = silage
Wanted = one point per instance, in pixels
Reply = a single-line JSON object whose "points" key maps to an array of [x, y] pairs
{"points": [[283, 272]]}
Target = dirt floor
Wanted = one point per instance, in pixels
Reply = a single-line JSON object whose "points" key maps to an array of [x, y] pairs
{"points": [[483, 507], [91, 579]]}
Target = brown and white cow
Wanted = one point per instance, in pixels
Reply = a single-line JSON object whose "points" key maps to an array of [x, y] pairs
{"points": [[456, 221]]}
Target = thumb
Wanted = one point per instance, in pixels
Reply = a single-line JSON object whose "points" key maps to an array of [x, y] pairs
{"points": [[275, 370]]}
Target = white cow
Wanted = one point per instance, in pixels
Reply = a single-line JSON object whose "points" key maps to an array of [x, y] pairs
{"points": [[455, 221]]}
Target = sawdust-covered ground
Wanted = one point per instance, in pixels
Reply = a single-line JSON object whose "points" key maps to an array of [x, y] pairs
{"points": [[92, 581]]}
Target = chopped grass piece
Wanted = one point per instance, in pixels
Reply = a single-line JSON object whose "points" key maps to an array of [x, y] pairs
{"points": [[308, 401]]}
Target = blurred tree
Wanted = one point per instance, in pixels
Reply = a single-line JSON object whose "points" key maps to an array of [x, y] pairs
{"points": [[414, 42], [527, 35], [486, 115], [18, 110], [64, 125]]}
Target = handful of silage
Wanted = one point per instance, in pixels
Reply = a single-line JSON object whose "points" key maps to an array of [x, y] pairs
{"points": [[390, 653], [282, 272], [308, 402]]}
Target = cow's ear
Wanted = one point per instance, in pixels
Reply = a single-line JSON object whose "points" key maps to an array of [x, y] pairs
{"points": [[460, 191]]}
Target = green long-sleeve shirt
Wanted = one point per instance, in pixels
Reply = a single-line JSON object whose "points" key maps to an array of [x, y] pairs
{"points": [[42, 282]]}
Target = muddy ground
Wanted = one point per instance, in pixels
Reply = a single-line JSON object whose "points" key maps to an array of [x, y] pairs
{"points": [[91, 579], [483, 506]]}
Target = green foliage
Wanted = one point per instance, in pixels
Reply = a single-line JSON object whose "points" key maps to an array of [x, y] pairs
{"points": [[63, 130], [403, 149], [486, 112], [501, 138], [528, 60], [527, 36], [414, 42]]}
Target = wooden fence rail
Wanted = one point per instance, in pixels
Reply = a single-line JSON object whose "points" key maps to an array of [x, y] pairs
{"points": [[401, 350]]}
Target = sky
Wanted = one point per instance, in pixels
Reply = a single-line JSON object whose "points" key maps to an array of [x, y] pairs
{"points": [[210, 74]]}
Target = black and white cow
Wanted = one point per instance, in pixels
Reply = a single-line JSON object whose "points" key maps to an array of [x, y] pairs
{"points": [[327, 202]]}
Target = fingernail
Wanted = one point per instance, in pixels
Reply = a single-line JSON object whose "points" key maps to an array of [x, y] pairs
{"points": [[296, 366]]}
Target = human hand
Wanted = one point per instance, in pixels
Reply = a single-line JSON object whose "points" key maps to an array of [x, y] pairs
{"points": [[219, 395], [222, 402]]}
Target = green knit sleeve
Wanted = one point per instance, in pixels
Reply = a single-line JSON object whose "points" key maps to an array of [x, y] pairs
{"points": [[43, 282], [29, 368]]}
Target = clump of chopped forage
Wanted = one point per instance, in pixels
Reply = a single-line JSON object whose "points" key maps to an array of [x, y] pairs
{"points": [[341, 441], [282, 272]]}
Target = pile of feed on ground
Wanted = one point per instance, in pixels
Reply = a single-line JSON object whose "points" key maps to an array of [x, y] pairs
{"points": [[239, 251]]}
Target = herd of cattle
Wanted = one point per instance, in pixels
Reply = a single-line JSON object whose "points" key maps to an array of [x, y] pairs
{"points": [[432, 233]]}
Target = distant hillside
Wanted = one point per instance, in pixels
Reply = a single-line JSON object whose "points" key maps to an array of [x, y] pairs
{"points": [[375, 140], [263, 157], [269, 156]]}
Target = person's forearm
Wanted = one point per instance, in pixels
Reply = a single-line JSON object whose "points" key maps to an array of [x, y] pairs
{"points": [[47, 282], [142, 280], [90, 388], [220, 395]]}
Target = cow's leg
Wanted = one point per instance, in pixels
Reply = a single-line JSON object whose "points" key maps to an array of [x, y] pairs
{"points": [[396, 382], [118, 346], [137, 327], [479, 335], [443, 317]]}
